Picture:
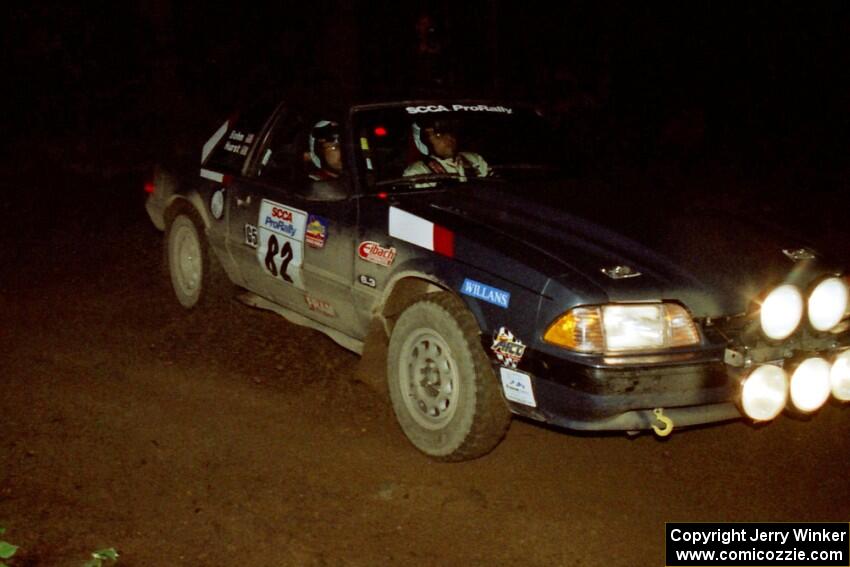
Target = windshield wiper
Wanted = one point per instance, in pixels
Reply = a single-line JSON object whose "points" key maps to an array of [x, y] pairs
{"points": [[428, 180], [525, 166]]}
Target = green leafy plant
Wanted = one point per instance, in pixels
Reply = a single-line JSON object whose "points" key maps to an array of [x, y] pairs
{"points": [[7, 550], [98, 557]]}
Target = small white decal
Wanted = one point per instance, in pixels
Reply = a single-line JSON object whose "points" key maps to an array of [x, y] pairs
{"points": [[517, 387], [217, 204], [368, 281], [251, 238]]}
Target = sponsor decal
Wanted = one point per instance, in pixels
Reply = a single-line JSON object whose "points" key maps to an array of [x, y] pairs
{"points": [[375, 253], [279, 219], [507, 348], [320, 306], [217, 204], [368, 281], [517, 387], [486, 293], [251, 237], [416, 230], [458, 108], [317, 231]]}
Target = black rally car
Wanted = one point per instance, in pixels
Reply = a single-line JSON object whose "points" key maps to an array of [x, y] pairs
{"points": [[500, 285]]}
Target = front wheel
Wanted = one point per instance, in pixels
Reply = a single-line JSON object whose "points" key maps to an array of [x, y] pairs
{"points": [[443, 389]]}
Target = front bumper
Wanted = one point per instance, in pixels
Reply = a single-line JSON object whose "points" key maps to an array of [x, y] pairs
{"points": [[624, 399]]}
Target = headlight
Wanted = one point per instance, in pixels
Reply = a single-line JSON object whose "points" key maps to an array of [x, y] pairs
{"points": [[781, 312], [827, 304], [622, 328], [839, 377], [765, 392], [810, 384]]}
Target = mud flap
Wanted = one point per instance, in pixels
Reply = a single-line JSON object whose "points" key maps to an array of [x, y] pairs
{"points": [[372, 368]]}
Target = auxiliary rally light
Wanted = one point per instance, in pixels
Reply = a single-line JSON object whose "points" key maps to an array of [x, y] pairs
{"points": [[765, 392]]}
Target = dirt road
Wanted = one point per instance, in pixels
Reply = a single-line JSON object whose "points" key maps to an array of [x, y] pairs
{"points": [[235, 438]]}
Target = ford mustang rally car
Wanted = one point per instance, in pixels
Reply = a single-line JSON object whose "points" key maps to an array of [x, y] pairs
{"points": [[446, 235]]}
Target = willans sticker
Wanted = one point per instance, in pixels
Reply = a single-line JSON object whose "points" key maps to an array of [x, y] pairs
{"points": [[486, 293], [507, 348]]}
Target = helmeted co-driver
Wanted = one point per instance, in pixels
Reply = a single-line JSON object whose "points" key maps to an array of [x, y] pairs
{"points": [[437, 140]]}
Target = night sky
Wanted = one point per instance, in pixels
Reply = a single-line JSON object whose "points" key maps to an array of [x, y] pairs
{"points": [[763, 83]]}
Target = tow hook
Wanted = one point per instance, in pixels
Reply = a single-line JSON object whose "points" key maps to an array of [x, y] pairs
{"points": [[665, 421]]}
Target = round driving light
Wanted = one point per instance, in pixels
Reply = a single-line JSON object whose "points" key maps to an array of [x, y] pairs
{"points": [[781, 312], [827, 304], [765, 392], [839, 376], [810, 384]]}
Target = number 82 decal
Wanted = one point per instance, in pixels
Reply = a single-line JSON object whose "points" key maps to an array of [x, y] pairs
{"points": [[281, 241]]}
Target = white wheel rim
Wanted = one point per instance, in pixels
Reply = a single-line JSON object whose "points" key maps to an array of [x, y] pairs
{"points": [[428, 379], [186, 260]]}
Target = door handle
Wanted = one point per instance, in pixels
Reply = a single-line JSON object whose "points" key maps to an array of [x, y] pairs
{"points": [[243, 202]]}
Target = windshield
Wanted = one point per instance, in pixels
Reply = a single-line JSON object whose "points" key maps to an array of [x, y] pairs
{"points": [[428, 145]]}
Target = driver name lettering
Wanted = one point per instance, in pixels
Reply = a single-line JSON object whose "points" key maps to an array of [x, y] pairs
{"points": [[458, 108]]}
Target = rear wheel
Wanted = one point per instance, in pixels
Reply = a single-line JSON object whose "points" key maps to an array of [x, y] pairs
{"points": [[192, 270], [443, 389]]}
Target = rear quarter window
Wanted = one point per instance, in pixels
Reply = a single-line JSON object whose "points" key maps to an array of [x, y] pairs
{"points": [[233, 141]]}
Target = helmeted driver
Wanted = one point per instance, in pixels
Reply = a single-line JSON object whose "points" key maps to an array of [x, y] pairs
{"points": [[324, 150], [437, 140]]}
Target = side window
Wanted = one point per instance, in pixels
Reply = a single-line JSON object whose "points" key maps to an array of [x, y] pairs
{"points": [[280, 162], [234, 140]]}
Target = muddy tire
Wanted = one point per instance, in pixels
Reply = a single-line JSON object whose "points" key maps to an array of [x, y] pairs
{"points": [[194, 273], [443, 389]]}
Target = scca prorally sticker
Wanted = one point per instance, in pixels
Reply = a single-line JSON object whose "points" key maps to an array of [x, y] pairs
{"points": [[320, 306], [507, 348], [368, 281], [458, 108], [375, 253], [217, 204], [486, 293], [251, 238], [317, 231], [281, 243], [517, 387]]}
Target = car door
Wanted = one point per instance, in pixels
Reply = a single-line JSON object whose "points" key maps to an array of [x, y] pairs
{"points": [[294, 236]]}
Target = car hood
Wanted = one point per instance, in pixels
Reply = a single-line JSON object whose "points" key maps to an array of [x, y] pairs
{"points": [[715, 262]]}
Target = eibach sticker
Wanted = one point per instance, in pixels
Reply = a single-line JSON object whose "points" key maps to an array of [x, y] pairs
{"points": [[507, 348], [281, 244], [375, 253]]}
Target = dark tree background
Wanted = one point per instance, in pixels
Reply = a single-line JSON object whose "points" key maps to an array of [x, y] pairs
{"points": [[757, 90]]}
